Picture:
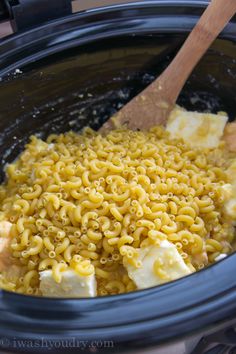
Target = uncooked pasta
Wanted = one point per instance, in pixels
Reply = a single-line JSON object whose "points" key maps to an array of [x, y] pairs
{"points": [[91, 203]]}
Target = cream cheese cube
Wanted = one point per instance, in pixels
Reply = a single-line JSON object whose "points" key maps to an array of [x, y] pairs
{"points": [[167, 254], [231, 173], [72, 285], [5, 257], [230, 136], [197, 129], [228, 191], [5, 228], [229, 199], [230, 208]]}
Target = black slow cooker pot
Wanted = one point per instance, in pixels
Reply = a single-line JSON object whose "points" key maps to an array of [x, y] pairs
{"points": [[76, 71]]}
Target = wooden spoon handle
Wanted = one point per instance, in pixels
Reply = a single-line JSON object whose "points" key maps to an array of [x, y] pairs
{"points": [[212, 22], [153, 105]]}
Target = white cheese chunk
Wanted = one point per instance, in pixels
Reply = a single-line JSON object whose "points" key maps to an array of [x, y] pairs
{"points": [[197, 129], [230, 208], [231, 172], [229, 194], [5, 228], [220, 257], [228, 191], [172, 265], [72, 285], [3, 245], [230, 136]]}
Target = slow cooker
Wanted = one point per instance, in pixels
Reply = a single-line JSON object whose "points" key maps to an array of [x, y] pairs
{"points": [[72, 70]]}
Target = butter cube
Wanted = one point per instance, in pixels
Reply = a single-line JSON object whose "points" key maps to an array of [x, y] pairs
{"points": [[72, 285], [197, 129], [172, 265]]}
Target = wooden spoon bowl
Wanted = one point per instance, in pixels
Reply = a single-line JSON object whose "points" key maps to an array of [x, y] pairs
{"points": [[153, 105]]}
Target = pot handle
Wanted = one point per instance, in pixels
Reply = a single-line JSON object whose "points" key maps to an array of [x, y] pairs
{"points": [[24, 14], [221, 342], [4, 16]]}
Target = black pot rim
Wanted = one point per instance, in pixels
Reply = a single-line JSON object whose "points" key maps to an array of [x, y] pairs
{"points": [[169, 311], [21, 48]]}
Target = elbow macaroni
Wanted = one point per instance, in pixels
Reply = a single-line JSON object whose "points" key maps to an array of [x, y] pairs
{"points": [[90, 202]]}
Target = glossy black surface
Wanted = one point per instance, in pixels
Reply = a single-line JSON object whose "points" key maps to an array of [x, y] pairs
{"points": [[77, 71], [3, 12]]}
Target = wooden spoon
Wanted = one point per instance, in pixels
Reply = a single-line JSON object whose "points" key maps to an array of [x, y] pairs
{"points": [[153, 105]]}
